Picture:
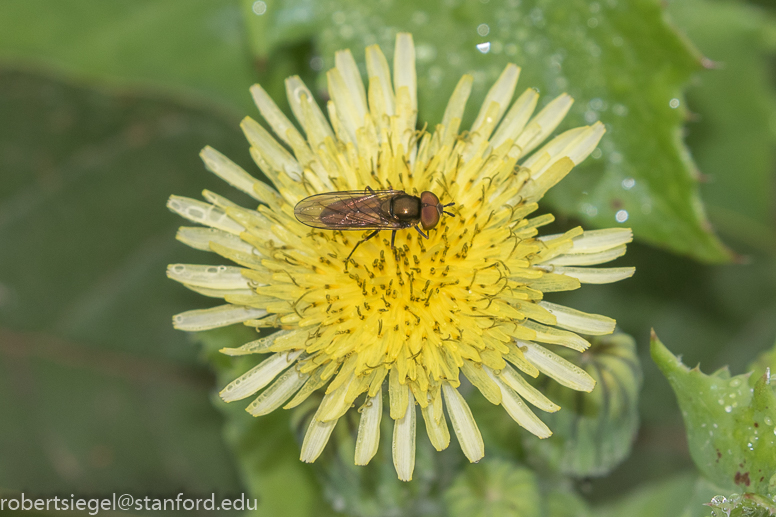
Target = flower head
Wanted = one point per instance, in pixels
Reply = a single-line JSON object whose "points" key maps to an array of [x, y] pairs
{"points": [[468, 300]]}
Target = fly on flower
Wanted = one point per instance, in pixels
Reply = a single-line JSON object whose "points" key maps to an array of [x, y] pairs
{"points": [[371, 210], [473, 302]]}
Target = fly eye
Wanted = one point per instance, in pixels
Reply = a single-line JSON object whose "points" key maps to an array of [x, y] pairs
{"points": [[429, 217], [428, 198]]}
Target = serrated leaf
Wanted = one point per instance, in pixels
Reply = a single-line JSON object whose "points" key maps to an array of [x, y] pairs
{"points": [[732, 133], [742, 505], [765, 361], [730, 426], [622, 63]]}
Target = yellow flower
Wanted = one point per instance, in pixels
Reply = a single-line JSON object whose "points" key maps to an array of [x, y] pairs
{"points": [[468, 300]]}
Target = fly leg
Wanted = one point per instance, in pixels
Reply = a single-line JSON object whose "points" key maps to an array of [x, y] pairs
{"points": [[421, 233], [347, 260], [393, 239]]}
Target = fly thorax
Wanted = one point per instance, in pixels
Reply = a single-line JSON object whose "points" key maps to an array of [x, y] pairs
{"points": [[406, 208]]}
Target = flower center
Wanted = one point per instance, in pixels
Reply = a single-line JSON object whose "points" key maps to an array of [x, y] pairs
{"points": [[406, 308]]}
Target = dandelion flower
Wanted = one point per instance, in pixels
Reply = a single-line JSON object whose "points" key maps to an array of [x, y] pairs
{"points": [[469, 300]]}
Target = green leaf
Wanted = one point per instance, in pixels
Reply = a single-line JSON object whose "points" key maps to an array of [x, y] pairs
{"points": [[733, 134], [743, 505], [193, 47], [593, 432], [730, 426], [564, 502], [87, 237], [684, 495], [94, 422], [496, 488], [765, 361], [622, 63], [101, 394]]}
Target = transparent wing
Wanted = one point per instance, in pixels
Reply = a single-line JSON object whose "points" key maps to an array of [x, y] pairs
{"points": [[349, 210]]}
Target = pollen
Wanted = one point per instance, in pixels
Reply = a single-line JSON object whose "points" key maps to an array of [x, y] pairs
{"points": [[414, 318]]}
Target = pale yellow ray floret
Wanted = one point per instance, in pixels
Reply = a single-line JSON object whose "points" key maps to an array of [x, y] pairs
{"points": [[468, 300]]}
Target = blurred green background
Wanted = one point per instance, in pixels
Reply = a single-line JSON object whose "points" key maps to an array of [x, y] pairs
{"points": [[104, 107]]}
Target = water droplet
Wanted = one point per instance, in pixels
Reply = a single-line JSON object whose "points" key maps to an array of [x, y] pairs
{"points": [[592, 23], [596, 104], [621, 216], [259, 8], [316, 63], [425, 52], [728, 409], [674, 103], [484, 47], [591, 116], [483, 29], [620, 110], [597, 153], [589, 209], [628, 183], [768, 420]]}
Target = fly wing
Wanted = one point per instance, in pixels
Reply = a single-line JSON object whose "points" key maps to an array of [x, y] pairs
{"points": [[349, 210]]}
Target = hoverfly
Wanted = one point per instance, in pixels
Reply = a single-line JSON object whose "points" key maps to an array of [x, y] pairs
{"points": [[371, 210]]}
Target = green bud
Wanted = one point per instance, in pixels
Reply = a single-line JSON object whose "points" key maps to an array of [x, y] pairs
{"points": [[593, 432]]}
